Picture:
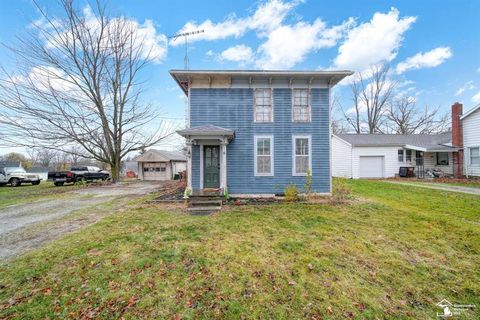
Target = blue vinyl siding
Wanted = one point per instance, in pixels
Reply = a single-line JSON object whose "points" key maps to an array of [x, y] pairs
{"points": [[233, 109]]}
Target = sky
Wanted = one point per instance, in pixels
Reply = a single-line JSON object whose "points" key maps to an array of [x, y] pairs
{"points": [[432, 47]]}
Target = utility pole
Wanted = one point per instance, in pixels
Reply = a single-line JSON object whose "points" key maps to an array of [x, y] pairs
{"points": [[186, 66]]}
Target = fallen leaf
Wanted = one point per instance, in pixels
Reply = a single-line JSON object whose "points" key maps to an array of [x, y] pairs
{"points": [[310, 267], [47, 291], [330, 310], [292, 282]]}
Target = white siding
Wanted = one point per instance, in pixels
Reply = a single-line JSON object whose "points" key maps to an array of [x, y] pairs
{"points": [[341, 158], [430, 162], [389, 154], [471, 138]]}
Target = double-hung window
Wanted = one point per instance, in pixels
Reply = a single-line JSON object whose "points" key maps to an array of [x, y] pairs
{"points": [[264, 155], [263, 105], [400, 155], [301, 105], [408, 155], [302, 155], [474, 156]]}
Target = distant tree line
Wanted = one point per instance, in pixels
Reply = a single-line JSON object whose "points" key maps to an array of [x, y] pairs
{"points": [[378, 106]]}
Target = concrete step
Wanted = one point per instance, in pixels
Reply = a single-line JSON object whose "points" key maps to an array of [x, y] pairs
{"points": [[203, 210], [204, 203]]}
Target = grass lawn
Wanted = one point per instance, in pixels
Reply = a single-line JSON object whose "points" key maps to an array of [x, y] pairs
{"points": [[26, 192], [394, 253]]}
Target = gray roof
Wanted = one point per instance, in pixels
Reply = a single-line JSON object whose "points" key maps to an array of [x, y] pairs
{"points": [[149, 155], [430, 142], [206, 130]]}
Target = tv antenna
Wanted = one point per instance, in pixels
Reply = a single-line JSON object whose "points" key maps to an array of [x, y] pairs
{"points": [[185, 35]]}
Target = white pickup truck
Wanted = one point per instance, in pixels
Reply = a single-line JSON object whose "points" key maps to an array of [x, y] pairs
{"points": [[15, 176]]}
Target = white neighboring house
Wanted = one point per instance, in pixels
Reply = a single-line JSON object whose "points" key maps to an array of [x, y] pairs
{"points": [[42, 172], [160, 164], [471, 141], [456, 153], [382, 155]]}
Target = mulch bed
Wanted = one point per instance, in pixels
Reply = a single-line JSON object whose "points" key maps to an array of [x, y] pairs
{"points": [[171, 192]]}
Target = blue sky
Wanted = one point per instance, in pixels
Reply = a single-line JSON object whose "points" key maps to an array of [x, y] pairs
{"points": [[433, 47]]}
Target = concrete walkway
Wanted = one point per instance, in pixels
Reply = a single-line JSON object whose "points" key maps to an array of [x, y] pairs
{"points": [[438, 186]]}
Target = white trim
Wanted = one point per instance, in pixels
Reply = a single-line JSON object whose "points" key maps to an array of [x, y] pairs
{"points": [[294, 169], [201, 166], [272, 157], [470, 155], [309, 102], [271, 105], [469, 112]]}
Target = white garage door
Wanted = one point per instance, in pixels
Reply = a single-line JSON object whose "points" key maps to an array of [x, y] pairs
{"points": [[155, 171], [371, 167]]}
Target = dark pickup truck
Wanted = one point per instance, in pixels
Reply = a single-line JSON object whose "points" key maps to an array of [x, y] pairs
{"points": [[77, 174]]}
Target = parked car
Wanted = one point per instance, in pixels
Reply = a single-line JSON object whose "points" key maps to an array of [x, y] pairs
{"points": [[15, 176], [77, 174]]}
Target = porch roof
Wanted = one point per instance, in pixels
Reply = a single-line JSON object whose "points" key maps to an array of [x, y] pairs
{"points": [[208, 130], [421, 142]]}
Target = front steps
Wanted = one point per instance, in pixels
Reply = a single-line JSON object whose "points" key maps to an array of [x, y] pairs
{"points": [[205, 202]]}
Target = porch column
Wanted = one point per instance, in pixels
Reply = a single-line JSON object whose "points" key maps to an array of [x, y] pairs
{"points": [[189, 166], [223, 165]]}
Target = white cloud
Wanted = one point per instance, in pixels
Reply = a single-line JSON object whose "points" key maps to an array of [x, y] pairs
{"points": [[153, 44], [239, 53], [288, 45], [430, 59], [476, 98], [209, 53], [467, 86], [373, 42], [266, 17]]}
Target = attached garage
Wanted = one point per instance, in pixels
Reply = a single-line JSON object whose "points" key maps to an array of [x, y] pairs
{"points": [[371, 166], [160, 165]]}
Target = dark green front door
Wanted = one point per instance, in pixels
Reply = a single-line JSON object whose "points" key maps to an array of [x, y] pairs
{"points": [[211, 169]]}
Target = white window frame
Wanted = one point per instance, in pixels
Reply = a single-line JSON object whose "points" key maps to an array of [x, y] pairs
{"points": [[294, 166], [403, 156], [309, 104], [255, 105], [470, 155], [263, 174]]}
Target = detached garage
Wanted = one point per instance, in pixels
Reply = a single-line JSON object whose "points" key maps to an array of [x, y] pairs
{"points": [[158, 165]]}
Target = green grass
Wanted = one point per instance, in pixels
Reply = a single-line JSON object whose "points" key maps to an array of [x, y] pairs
{"points": [[27, 193], [394, 253]]}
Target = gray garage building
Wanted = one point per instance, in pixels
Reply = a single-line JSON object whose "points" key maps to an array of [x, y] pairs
{"points": [[157, 165]]}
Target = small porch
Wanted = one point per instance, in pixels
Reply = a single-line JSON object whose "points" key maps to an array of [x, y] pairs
{"points": [[428, 162], [207, 160]]}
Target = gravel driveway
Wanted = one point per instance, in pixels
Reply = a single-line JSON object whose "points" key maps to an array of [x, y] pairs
{"points": [[30, 225]]}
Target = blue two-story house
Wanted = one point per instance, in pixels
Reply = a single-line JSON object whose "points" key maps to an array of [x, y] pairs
{"points": [[252, 133]]}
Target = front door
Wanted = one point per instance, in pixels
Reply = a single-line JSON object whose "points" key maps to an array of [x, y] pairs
{"points": [[211, 170]]}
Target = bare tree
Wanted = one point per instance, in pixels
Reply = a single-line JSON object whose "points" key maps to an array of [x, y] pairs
{"points": [[372, 92], [46, 157], [78, 83], [405, 118]]}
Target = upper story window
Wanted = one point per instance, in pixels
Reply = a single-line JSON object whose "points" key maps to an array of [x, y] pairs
{"points": [[474, 156], [263, 155], [302, 155], [400, 155], [442, 158], [301, 105], [263, 105]]}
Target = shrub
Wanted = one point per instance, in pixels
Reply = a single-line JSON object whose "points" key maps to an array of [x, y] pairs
{"points": [[291, 193], [341, 191], [308, 182]]}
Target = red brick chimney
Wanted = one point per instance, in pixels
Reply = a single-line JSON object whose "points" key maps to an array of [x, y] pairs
{"points": [[457, 139]]}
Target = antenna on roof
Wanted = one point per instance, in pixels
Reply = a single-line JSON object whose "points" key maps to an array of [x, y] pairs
{"points": [[185, 35]]}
